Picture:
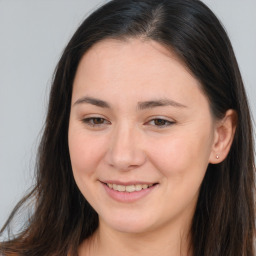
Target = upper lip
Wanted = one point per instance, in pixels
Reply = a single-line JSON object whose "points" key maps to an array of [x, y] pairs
{"points": [[127, 183]]}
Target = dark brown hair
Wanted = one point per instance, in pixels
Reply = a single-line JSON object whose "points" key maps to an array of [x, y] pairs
{"points": [[223, 222]]}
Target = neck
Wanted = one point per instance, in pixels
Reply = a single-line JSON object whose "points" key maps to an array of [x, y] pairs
{"points": [[164, 242]]}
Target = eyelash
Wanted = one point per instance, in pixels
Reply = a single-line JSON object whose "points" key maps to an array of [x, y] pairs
{"points": [[91, 121], [163, 122], [102, 121]]}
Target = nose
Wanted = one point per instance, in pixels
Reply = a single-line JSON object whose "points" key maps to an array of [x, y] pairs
{"points": [[126, 150]]}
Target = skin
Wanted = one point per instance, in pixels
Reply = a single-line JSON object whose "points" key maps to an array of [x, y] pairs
{"points": [[127, 140]]}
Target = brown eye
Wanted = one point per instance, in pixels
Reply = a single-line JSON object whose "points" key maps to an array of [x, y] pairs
{"points": [[95, 121], [160, 122], [98, 120]]}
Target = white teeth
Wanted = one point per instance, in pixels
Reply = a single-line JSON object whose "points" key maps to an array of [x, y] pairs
{"points": [[130, 188], [138, 187], [121, 188]]}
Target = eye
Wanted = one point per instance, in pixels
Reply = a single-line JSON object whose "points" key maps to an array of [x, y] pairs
{"points": [[95, 121], [160, 122]]}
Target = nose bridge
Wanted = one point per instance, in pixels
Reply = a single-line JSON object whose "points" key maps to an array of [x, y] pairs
{"points": [[125, 151]]}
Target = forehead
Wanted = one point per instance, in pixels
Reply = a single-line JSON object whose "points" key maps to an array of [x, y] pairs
{"points": [[135, 68], [148, 55]]}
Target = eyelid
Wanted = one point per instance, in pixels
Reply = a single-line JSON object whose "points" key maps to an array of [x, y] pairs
{"points": [[167, 121], [88, 120]]}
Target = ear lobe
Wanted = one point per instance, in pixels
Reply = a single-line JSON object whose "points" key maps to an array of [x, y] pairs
{"points": [[224, 135]]}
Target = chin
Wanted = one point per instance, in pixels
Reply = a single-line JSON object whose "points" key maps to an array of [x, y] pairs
{"points": [[129, 224], [131, 228]]}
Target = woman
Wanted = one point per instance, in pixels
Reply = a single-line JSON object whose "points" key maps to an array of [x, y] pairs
{"points": [[147, 147]]}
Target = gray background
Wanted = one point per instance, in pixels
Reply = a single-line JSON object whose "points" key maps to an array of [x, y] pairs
{"points": [[33, 34]]}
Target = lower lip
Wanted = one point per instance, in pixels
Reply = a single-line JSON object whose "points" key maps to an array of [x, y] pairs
{"points": [[127, 197]]}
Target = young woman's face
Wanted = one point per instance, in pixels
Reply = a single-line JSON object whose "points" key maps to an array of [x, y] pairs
{"points": [[140, 135]]}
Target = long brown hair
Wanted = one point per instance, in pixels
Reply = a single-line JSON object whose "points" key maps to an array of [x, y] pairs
{"points": [[223, 222]]}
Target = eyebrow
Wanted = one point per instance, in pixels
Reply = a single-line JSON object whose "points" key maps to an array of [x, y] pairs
{"points": [[93, 101], [159, 103], [141, 105]]}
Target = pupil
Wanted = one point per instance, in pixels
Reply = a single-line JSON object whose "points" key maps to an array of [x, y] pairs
{"points": [[98, 120], [160, 122]]}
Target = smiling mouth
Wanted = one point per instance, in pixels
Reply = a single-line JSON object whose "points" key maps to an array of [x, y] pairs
{"points": [[128, 192], [129, 188]]}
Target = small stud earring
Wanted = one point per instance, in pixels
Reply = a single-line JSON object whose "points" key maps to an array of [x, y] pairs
{"points": [[217, 156]]}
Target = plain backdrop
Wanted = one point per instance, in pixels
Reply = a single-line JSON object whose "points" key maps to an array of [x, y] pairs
{"points": [[33, 34]]}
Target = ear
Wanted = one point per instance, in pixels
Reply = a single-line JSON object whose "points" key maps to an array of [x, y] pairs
{"points": [[223, 137]]}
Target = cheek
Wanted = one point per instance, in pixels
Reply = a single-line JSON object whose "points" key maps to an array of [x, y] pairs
{"points": [[85, 152], [183, 153]]}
